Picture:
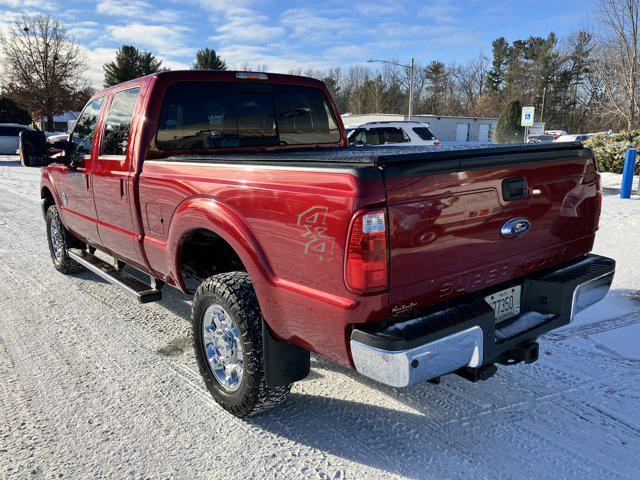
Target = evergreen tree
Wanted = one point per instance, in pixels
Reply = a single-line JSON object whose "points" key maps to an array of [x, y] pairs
{"points": [[11, 112], [508, 129], [208, 59], [437, 78], [496, 77], [130, 63]]}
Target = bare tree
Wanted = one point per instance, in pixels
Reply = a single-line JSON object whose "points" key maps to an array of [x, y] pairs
{"points": [[42, 66], [247, 67], [471, 81], [618, 66]]}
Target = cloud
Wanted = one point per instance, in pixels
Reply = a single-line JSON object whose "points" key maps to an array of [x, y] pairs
{"points": [[23, 4], [375, 9], [440, 12], [95, 59], [241, 24], [316, 26], [139, 9], [87, 30], [238, 22], [165, 40]]}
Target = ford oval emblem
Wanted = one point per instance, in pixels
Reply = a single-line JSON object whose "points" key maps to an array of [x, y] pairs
{"points": [[515, 227]]}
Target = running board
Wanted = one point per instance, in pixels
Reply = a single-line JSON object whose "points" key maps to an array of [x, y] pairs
{"points": [[143, 292]]}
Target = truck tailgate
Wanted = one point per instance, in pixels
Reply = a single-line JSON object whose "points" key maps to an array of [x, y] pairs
{"points": [[447, 216]]}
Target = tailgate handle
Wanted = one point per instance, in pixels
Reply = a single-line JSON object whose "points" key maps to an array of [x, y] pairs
{"points": [[514, 189]]}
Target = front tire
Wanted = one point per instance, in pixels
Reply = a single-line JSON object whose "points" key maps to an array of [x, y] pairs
{"points": [[59, 243], [227, 331]]}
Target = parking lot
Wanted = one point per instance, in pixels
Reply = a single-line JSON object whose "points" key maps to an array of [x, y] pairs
{"points": [[95, 385]]}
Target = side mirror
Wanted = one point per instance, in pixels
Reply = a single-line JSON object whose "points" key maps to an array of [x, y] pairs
{"points": [[61, 145], [61, 151], [33, 148]]}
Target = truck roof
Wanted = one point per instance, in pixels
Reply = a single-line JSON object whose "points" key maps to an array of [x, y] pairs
{"points": [[235, 76]]}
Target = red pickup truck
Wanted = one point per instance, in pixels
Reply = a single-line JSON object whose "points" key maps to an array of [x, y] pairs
{"points": [[239, 188]]}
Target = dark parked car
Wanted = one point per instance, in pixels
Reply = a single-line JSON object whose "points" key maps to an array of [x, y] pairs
{"points": [[9, 133]]}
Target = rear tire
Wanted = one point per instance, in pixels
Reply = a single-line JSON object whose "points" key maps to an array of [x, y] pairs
{"points": [[59, 243], [227, 331]]}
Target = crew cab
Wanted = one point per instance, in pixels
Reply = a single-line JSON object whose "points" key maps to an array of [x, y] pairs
{"points": [[239, 188]]}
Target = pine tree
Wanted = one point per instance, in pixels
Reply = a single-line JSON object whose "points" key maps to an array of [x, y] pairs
{"points": [[496, 77], [508, 129], [208, 59], [130, 63], [11, 112], [437, 79]]}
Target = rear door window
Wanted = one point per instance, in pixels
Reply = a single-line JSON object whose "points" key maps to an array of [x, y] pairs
{"points": [[392, 135], [424, 133], [117, 125], [367, 136], [199, 115]]}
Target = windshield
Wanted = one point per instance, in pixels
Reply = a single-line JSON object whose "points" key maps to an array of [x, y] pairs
{"points": [[224, 115]]}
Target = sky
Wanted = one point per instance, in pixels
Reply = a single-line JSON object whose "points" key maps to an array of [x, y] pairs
{"points": [[301, 33]]}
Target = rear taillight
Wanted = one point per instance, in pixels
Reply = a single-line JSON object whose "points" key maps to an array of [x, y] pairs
{"points": [[437, 143], [598, 200], [366, 265]]}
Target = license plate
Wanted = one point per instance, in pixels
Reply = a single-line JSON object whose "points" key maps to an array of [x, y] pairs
{"points": [[505, 303]]}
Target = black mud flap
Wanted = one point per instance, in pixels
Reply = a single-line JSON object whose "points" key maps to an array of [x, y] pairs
{"points": [[283, 363]]}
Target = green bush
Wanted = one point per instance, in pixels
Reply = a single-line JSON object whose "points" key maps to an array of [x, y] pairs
{"points": [[508, 129], [609, 150]]}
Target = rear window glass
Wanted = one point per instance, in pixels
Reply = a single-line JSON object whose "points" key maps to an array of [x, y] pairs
{"points": [[217, 115], [424, 133], [11, 131]]}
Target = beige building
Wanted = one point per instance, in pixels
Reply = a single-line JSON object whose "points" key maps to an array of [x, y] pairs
{"points": [[446, 129]]}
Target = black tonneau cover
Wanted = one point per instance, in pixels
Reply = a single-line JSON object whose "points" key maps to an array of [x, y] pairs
{"points": [[423, 159]]}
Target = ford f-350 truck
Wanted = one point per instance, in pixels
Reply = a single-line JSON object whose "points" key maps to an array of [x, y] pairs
{"points": [[239, 188]]}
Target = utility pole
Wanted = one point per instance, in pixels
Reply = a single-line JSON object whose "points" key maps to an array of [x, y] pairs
{"points": [[412, 69], [544, 93]]}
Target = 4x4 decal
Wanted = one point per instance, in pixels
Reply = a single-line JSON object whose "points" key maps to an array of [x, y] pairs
{"points": [[318, 242]]}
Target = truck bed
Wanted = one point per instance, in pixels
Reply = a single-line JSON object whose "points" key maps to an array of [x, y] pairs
{"points": [[446, 207], [449, 157]]}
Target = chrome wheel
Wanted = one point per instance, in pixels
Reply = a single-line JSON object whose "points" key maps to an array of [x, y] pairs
{"points": [[57, 241], [223, 347]]}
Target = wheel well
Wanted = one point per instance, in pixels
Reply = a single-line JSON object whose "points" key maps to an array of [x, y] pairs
{"points": [[204, 253], [47, 199]]}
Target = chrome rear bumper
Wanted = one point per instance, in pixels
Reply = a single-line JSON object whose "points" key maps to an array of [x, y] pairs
{"points": [[403, 359], [419, 364]]}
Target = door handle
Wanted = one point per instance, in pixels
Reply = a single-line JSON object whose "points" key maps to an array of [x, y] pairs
{"points": [[122, 192], [87, 181], [514, 189]]}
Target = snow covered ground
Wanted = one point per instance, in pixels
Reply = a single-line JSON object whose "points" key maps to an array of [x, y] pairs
{"points": [[94, 385]]}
